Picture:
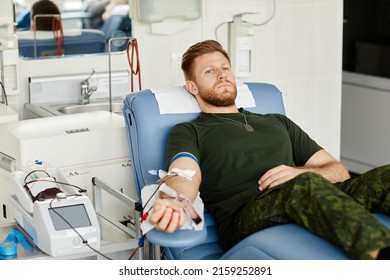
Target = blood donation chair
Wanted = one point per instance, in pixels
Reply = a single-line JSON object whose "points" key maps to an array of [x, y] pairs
{"points": [[76, 41], [147, 132]]}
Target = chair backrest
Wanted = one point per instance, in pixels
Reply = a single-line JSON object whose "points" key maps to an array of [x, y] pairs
{"points": [[118, 24], [23, 20], [76, 41], [148, 130]]}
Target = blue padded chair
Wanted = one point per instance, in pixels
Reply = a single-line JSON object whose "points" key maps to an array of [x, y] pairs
{"points": [[23, 20], [76, 41], [147, 133]]}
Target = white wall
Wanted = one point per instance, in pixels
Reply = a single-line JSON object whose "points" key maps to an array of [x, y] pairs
{"points": [[299, 50]]}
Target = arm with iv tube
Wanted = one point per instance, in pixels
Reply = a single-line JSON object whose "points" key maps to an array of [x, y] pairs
{"points": [[168, 213]]}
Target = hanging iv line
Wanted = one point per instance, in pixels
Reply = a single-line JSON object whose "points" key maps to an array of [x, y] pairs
{"points": [[133, 42]]}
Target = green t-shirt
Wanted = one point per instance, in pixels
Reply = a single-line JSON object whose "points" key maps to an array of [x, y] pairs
{"points": [[233, 159]]}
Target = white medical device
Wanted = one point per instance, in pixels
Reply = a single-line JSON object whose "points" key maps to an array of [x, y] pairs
{"points": [[59, 219], [240, 46]]}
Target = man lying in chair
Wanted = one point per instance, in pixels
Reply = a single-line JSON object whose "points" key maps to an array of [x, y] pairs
{"points": [[255, 171]]}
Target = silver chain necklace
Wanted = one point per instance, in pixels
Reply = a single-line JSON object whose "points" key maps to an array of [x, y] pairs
{"points": [[246, 125]]}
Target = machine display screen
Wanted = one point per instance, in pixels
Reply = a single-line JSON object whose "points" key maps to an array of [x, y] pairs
{"points": [[75, 215]]}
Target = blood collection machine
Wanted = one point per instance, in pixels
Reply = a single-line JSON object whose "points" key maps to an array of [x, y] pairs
{"points": [[59, 217]]}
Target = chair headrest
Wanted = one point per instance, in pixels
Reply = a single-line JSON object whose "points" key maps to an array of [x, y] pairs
{"points": [[174, 100]]}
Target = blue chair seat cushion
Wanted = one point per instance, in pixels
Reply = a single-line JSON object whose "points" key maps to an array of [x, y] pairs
{"points": [[286, 242]]}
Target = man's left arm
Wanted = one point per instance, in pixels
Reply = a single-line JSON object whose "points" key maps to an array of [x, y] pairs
{"points": [[321, 163]]}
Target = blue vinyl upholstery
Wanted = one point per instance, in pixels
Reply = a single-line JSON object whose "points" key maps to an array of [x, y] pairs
{"points": [[147, 133], [80, 41]]}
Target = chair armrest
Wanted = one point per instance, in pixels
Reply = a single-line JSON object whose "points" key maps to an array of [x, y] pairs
{"points": [[179, 238]]}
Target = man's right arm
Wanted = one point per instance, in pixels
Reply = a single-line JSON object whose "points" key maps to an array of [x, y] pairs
{"points": [[167, 214]]}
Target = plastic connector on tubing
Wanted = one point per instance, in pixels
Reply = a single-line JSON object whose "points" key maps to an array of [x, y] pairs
{"points": [[144, 216]]}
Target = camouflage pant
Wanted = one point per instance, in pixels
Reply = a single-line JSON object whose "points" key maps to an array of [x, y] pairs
{"points": [[338, 212]]}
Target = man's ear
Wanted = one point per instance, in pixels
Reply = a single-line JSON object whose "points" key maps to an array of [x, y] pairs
{"points": [[191, 87]]}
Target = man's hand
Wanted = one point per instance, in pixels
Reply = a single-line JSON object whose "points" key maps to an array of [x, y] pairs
{"points": [[278, 175], [321, 163], [167, 215]]}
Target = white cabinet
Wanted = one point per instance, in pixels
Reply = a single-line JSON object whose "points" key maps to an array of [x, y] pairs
{"points": [[365, 128], [83, 146], [116, 173], [6, 216]]}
